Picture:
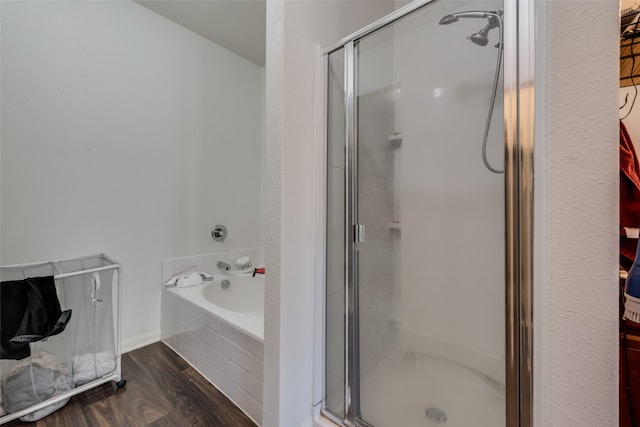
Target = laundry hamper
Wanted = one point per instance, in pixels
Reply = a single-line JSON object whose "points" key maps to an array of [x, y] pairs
{"points": [[42, 377]]}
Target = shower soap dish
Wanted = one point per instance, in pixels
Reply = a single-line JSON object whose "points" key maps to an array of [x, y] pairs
{"points": [[243, 263]]}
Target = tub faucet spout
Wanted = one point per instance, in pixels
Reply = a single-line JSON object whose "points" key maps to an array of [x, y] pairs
{"points": [[223, 266]]}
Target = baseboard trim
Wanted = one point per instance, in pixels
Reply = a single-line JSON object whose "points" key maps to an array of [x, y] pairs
{"points": [[140, 340]]}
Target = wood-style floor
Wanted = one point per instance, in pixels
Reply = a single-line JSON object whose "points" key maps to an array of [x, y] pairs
{"points": [[162, 391]]}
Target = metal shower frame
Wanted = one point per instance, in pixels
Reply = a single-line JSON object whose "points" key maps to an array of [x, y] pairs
{"points": [[519, 85]]}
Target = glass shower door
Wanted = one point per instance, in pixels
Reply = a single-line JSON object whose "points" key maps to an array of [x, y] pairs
{"points": [[416, 222], [430, 271]]}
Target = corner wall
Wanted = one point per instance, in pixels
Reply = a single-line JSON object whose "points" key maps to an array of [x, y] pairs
{"points": [[576, 184], [124, 133]]}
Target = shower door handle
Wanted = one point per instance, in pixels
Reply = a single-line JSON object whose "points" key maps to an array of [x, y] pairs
{"points": [[358, 233]]}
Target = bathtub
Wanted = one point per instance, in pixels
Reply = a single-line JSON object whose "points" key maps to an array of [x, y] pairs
{"points": [[219, 331], [241, 305]]}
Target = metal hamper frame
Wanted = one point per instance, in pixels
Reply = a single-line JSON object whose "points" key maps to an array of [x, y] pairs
{"points": [[115, 376]]}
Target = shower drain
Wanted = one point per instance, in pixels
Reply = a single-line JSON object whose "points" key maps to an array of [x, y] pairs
{"points": [[436, 415]]}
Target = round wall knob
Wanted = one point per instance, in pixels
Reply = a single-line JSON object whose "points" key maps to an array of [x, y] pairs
{"points": [[219, 233]]}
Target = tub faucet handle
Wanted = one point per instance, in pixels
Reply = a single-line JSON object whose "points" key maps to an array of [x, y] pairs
{"points": [[223, 266]]}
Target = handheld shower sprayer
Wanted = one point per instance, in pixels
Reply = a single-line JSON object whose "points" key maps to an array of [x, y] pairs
{"points": [[448, 19], [481, 38]]}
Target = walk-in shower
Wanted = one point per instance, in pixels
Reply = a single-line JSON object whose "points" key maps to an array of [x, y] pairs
{"points": [[424, 248]]}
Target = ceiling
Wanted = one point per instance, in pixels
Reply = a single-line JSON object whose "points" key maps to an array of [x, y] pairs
{"points": [[237, 25]]}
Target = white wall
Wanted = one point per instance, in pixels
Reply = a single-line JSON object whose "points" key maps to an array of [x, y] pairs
{"points": [[576, 317], [124, 133], [294, 30], [624, 4]]}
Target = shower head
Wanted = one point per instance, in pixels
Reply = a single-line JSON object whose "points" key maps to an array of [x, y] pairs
{"points": [[448, 19], [481, 37]]}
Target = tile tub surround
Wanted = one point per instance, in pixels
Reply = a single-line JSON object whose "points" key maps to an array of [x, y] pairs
{"points": [[207, 262], [226, 356]]}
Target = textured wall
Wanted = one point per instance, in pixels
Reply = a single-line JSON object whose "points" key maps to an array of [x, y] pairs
{"points": [[577, 279], [124, 133]]}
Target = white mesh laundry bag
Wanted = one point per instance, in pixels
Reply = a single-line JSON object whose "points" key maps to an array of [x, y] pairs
{"points": [[45, 373], [91, 329], [33, 380]]}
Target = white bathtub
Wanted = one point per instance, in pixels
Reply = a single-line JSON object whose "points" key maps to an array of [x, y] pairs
{"points": [[241, 304], [219, 331]]}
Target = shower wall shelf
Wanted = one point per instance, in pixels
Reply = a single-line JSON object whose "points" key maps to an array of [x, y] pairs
{"points": [[395, 140], [393, 225], [84, 355]]}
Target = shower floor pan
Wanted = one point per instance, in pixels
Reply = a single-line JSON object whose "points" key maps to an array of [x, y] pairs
{"points": [[414, 389]]}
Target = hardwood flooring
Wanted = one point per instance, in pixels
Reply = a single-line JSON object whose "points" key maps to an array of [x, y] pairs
{"points": [[162, 391]]}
